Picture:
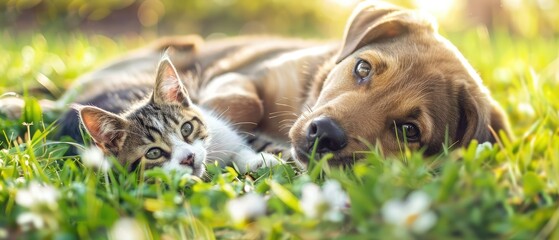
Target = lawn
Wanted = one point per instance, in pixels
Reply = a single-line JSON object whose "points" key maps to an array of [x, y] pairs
{"points": [[509, 190]]}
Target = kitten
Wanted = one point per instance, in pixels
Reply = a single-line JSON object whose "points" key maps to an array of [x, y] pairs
{"points": [[167, 130]]}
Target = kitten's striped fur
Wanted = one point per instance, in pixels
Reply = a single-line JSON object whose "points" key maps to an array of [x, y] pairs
{"points": [[167, 130]]}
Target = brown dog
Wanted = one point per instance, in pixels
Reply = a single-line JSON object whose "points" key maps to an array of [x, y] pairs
{"points": [[392, 81]]}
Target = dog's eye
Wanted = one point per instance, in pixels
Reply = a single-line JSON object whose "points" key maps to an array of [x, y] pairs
{"points": [[409, 132], [362, 70], [154, 153], [186, 129]]}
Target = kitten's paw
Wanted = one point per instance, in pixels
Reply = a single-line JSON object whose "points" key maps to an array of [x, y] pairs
{"points": [[251, 161], [266, 160]]}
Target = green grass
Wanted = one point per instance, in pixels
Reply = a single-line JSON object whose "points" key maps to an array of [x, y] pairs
{"points": [[509, 190]]}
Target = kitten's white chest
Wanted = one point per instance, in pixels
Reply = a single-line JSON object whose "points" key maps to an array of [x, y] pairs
{"points": [[226, 146]]}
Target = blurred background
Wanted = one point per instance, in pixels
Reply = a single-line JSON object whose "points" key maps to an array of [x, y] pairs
{"points": [[308, 18]]}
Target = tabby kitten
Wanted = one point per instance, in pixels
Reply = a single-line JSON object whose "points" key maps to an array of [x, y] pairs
{"points": [[169, 131]]}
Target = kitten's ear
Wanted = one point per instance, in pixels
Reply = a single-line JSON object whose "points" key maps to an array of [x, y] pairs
{"points": [[168, 86], [106, 129]]}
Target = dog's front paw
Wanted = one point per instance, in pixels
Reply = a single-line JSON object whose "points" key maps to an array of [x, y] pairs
{"points": [[244, 110]]}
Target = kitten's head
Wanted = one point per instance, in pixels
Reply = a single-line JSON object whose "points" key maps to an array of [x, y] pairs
{"points": [[166, 130]]}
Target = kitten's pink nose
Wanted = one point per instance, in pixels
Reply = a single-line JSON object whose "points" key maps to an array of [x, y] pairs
{"points": [[189, 160]]}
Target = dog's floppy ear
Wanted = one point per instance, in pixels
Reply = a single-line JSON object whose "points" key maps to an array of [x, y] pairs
{"points": [[479, 116], [499, 120], [373, 21]]}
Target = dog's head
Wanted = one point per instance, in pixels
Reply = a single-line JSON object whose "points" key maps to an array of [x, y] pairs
{"points": [[395, 82]]}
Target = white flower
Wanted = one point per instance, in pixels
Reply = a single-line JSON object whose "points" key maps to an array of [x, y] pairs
{"points": [[41, 200], [312, 200], [37, 194], [247, 207], [27, 219], [483, 147], [327, 203], [127, 229], [336, 196], [37, 220], [412, 214], [93, 157]]}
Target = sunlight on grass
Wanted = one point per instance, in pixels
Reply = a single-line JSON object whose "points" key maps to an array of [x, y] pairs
{"points": [[35, 60], [506, 190]]}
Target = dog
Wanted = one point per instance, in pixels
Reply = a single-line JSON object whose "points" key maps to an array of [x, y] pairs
{"points": [[392, 81]]}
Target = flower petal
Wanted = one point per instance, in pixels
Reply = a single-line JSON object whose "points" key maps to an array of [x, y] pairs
{"points": [[37, 194], [127, 229], [250, 205], [424, 222], [93, 157], [312, 200], [28, 218], [418, 201], [394, 212], [336, 196], [24, 198]]}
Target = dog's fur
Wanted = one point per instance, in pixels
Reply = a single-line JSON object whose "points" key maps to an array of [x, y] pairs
{"points": [[282, 85]]}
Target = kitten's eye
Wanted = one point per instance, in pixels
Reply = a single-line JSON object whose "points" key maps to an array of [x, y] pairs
{"points": [[409, 132], [362, 71], [186, 129], [154, 153]]}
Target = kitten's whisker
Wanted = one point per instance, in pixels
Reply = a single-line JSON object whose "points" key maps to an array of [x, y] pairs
{"points": [[227, 152], [241, 123], [217, 146], [222, 114], [247, 133], [215, 158]]}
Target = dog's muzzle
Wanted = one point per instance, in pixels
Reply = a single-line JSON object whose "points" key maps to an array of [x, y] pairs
{"points": [[329, 134]]}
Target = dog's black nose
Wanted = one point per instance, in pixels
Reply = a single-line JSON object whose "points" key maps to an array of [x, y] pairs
{"points": [[330, 136]]}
